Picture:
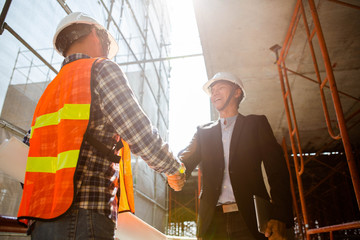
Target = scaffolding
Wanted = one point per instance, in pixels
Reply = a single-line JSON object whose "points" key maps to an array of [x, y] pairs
{"points": [[328, 81], [183, 208]]}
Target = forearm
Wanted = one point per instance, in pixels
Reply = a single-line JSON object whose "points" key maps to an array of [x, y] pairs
{"points": [[119, 105]]}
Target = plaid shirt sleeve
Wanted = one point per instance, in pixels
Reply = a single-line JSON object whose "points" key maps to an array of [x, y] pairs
{"points": [[119, 105]]}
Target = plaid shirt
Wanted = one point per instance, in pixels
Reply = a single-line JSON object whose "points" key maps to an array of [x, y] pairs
{"points": [[114, 110]]}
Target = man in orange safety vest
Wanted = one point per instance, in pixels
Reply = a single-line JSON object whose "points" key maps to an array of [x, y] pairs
{"points": [[83, 128]]}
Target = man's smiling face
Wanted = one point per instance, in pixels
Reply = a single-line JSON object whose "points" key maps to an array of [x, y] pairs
{"points": [[220, 92]]}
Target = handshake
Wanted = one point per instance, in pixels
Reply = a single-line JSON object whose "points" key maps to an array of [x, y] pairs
{"points": [[176, 181]]}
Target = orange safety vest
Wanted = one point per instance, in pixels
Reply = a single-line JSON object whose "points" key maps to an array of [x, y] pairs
{"points": [[60, 121], [126, 202]]}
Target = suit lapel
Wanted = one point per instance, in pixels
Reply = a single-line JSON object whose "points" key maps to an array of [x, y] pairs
{"points": [[235, 138]]}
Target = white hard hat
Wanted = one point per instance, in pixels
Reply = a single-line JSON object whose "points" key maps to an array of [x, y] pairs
{"points": [[79, 17], [224, 76]]}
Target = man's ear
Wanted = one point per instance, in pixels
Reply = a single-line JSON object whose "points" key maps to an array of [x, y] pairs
{"points": [[93, 33], [238, 92]]}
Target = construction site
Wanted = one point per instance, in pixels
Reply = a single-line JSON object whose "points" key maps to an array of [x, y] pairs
{"points": [[299, 61]]}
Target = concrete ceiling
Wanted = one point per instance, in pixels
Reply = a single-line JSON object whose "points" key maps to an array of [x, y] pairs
{"points": [[236, 36]]}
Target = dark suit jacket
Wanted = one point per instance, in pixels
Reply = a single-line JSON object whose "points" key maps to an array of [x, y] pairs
{"points": [[252, 142]]}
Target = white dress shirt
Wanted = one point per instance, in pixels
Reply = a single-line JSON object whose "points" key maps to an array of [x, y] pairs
{"points": [[227, 127]]}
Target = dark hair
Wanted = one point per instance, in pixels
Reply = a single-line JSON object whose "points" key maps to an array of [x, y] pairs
{"points": [[104, 39], [71, 34], [77, 31]]}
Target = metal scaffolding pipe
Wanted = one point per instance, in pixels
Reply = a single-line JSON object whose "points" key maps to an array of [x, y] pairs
{"points": [[161, 59], [292, 187], [298, 170], [134, 55], [145, 38], [312, 80], [345, 4], [143, 195], [7, 27], [3, 15], [15, 129], [322, 83], [337, 104], [350, 225], [286, 91], [64, 6]]}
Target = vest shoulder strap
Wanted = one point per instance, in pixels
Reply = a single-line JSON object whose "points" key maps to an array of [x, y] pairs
{"points": [[104, 149]]}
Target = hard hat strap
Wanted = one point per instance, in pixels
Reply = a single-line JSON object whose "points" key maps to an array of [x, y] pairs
{"points": [[229, 98]]}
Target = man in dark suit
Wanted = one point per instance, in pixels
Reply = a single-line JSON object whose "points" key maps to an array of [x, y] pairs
{"points": [[230, 152]]}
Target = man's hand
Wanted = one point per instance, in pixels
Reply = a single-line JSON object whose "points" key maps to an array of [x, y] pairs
{"points": [[275, 230], [177, 180]]}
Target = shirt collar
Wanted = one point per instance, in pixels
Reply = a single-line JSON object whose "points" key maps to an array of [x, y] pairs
{"points": [[229, 120], [74, 57]]}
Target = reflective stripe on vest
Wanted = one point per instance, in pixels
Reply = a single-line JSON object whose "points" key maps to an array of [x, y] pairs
{"points": [[60, 120]]}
